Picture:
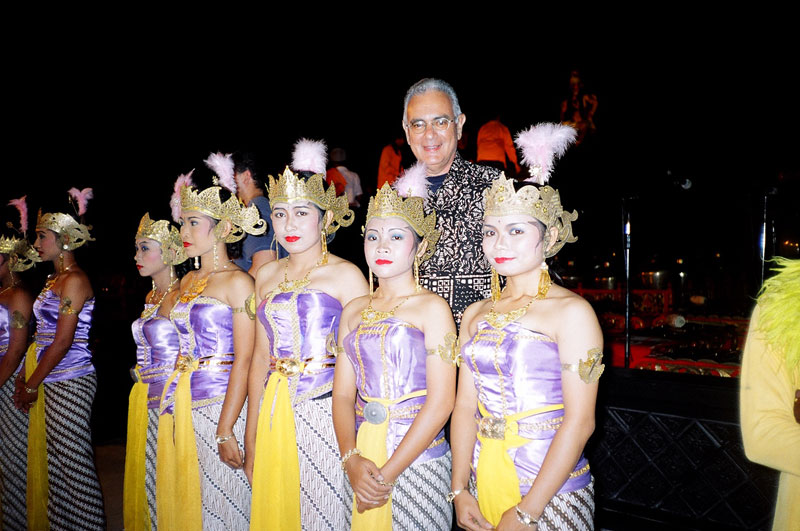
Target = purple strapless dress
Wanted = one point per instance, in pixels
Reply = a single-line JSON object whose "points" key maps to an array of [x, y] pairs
{"points": [[156, 352], [77, 361]]}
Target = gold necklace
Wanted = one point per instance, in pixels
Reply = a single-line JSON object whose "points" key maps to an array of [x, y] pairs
{"points": [[296, 285], [501, 320], [147, 312], [370, 316], [7, 288]]}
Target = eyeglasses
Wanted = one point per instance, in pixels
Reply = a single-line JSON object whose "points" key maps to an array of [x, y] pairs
{"points": [[419, 127]]}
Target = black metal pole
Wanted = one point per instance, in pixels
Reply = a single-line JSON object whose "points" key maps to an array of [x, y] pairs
{"points": [[626, 227]]}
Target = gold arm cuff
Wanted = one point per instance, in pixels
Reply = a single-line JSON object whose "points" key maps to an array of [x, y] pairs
{"points": [[450, 351], [590, 369], [18, 320]]}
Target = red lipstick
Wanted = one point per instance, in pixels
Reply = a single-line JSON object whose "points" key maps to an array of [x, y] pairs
{"points": [[186, 244], [381, 261], [501, 259], [292, 239]]}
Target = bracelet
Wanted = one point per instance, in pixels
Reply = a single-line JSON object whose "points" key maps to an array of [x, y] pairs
{"points": [[31, 391], [452, 495], [525, 518], [387, 483], [350, 453], [221, 439]]}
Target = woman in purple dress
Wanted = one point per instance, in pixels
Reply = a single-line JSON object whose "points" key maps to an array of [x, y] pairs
{"points": [[158, 249], [199, 481], [59, 383], [395, 388], [532, 355], [291, 447], [16, 255]]}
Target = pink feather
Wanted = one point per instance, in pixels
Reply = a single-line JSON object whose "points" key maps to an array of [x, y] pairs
{"points": [[413, 182], [540, 145], [175, 200], [222, 165], [81, 197], [22, 206], [310, 155]]}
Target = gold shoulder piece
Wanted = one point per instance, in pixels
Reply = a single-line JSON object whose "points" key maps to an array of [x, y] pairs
{"points": [[450, 351], [66, 307], [18, 320], [331, 347], [590, 369], [250, 306]]}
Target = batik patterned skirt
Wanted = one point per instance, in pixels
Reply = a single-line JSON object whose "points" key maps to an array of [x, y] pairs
{"points": [[13, 459]]}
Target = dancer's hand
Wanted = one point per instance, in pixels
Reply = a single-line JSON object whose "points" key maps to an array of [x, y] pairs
{"points": [[248, 467], [230, 454], [510, 522], [364, 477], [468, 514]]}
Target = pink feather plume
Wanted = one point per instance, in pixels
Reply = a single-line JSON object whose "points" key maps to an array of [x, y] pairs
{"points": [[310, 155], [222, 166], [413, 182], [540, 145], [22, 206], [175, 200], [81, 197]]}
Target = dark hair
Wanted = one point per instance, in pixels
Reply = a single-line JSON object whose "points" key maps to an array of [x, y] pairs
{"points": [[244, 161]]}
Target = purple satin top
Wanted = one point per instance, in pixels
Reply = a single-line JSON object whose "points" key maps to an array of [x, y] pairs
{"points": [[299, 325], [205, 329], [156, 351], [4, 330], [77, 361], [516, 370], [389, 359]]}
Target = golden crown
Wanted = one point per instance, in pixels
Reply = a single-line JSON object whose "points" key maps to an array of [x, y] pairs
{"points": [[243, 219], [21, 254], [73, 233], [289, 188], [165, 233], [388, 204], [543, 203]]}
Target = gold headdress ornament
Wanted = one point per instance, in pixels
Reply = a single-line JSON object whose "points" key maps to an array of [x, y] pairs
{"points": [[75, 234], [22, 255], [289, 188], [539, 144], [388, 204], [165, 233], [243, 219]]}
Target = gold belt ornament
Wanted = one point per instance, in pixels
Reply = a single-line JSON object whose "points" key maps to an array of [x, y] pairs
{"points": [[289, 367], [492, 427]]}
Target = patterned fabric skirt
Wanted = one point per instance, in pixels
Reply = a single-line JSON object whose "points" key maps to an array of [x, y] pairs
{"points": [[150, 464], [418, 497], [322, 494], [13, 459], [225, 492], [75, 500], [569, 511]]}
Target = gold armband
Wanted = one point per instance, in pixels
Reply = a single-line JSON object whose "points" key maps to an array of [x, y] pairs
{"points": [[589, 370], [249, 307], [450, 351], [18, 320], [66, 307], [331, 347]]}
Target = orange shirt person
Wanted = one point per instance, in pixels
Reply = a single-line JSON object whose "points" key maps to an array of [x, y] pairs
{"points": [[390, 165]]}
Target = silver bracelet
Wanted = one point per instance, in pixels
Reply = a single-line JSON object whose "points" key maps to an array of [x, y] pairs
{"points": [[525, 518], [350, 453], [452, 495], [221, 439]]}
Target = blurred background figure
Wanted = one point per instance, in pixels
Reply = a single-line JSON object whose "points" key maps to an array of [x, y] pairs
{"points": [[391, 162], [352, 185], [578, 107], [257, 250], [495, 146]]}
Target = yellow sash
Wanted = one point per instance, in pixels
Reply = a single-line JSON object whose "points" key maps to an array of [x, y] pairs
{"points": [[178, 497], [498, 483], [276, 470], [38, 484], [136, 515], [371, 440]]}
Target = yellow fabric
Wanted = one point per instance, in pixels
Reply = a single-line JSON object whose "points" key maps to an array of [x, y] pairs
{"points": [[276, 470], [371, 440], [770, 433], [498, 484], [38, 485], [178, 497], [136, 515]]}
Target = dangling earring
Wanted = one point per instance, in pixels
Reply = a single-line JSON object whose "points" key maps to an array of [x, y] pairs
{"points": [[324, 241], [370, 283], [60, 262], [11, 275], [197, 262], [417, 287], [544, 279], [216, 257], [495, 286]]}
